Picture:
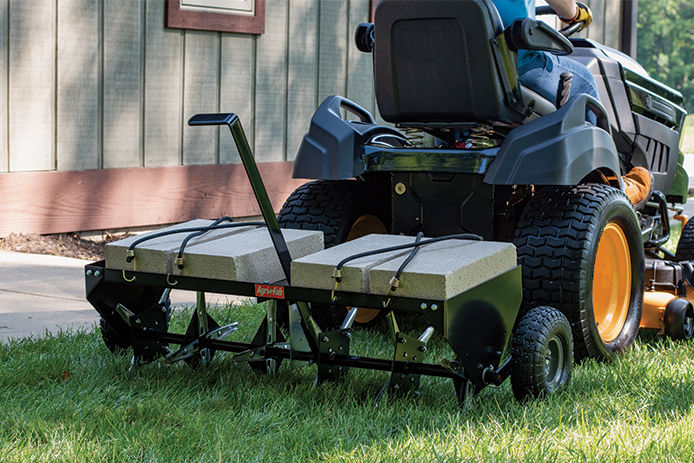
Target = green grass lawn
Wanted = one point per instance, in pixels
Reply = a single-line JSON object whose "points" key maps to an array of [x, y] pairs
{"points": [[66, 398]]}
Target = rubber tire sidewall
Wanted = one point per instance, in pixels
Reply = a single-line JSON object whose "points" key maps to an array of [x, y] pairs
{"points": [[685, 245], [622, 214], [574, 297], [528, 346]]}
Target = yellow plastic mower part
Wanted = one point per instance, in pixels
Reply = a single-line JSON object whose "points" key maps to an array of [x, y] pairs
{"points": [[611, 282], [366, 225]]}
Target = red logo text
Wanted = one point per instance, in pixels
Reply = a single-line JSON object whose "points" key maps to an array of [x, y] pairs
{"points": [[272, 291]]}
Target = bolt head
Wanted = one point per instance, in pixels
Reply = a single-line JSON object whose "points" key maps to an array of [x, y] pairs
{"points": [[434, 307], [97, 273], [423, 306], [89, 272]]}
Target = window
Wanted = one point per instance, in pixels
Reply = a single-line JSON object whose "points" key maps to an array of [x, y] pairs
{"points": [[244, 16]]}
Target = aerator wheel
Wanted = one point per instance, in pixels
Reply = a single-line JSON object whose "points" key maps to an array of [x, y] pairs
{"points": [[343, 210], [685, 246], [581, 251], [114, 342], [541, 353]]}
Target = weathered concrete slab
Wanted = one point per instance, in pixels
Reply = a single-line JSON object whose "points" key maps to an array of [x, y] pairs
{"points": [[245, 253], [157, 255], [445, 269], [439, 270], [248, 256], [315, 270]]}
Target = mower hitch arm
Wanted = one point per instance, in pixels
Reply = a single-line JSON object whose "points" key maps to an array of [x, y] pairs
{"points": [[232, 121]]}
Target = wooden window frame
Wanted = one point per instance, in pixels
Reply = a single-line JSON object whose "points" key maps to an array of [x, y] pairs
{"points": [[222, 22]]}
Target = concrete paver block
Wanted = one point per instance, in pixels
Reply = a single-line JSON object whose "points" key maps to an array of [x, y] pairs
{"points": [[445, 269], [157, 255], [248, 256], [245, 253], [315, 270]]}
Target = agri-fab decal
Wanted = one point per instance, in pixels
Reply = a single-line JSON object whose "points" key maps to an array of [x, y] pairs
{"points": [[275, 292]]}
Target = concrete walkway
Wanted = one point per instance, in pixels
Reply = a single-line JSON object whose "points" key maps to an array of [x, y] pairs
{"points": [[40, 294]]}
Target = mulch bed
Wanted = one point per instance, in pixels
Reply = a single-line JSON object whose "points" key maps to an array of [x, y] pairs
{"points": [[65, 245]]}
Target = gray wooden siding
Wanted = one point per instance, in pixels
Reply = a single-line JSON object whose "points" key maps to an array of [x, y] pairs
{"points": [[4, 49], [88, 84]]}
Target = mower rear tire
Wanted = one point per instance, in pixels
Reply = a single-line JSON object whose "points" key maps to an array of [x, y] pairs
{"points": [[343, 210], [541, 353], [581, 252], [685, 246]]}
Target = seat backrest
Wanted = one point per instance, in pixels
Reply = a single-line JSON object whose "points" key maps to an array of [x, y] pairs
{"points": [[434, 61]]}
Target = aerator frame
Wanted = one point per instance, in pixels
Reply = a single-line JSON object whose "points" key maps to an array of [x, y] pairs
{"points": [[477, 323]]}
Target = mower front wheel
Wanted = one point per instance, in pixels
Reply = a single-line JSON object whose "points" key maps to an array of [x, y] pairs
{"points": [[679, 320], [541, 353]]}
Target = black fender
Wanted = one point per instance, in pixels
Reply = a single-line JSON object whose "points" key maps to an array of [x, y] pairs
{"points": [[332, 148], [560, 148]]}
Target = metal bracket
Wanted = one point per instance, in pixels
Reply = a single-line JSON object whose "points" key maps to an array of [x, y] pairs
{"points": [[266, 336], [271, 335], [152, 319], [464, 388], [202, 326], [297, 337], [333, 343], [125, 314], [408, 349], [201, 312]]}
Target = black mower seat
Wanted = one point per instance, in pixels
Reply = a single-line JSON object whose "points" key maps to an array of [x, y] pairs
{"points": [[439, 61]]}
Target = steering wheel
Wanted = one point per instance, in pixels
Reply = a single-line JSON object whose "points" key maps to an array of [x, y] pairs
{"points": [[569, 30]]}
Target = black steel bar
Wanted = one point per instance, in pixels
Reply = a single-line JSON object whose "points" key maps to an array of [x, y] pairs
{"points": [[234, 124], [240, 288], [352, 361]]}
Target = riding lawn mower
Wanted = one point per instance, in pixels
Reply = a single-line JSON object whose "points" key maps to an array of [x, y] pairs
{"points": [[495, 215]]}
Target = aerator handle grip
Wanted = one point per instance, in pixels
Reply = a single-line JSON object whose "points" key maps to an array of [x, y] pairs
{"points": [[232, 121], [213, 119]]}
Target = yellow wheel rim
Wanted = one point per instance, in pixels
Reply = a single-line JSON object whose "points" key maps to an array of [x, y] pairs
{"points": [[611, 282], [366, 225]]}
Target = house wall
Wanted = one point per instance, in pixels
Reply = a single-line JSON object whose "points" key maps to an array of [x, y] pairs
{"points": [[102, 84]]}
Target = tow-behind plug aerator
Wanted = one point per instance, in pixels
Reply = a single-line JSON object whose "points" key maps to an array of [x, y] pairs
{"points": [[467, 290]]}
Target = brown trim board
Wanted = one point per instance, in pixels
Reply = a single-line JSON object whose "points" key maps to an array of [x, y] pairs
{"points": [[372, 9], [177, 17], [58, 202]]}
